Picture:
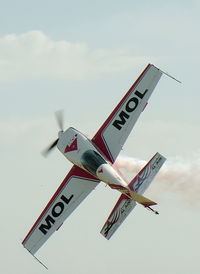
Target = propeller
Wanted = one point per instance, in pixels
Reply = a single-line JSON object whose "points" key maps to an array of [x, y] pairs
{"points": [[59, 119]]}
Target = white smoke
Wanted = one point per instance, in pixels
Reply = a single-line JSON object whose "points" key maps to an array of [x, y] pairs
{"points": [[176, 176]]}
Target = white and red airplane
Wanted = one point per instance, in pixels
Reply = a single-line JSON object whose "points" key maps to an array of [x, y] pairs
{"points": [[93, 162]]}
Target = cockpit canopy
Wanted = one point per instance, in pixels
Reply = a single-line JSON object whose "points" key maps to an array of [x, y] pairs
{"points": [[92, 160]]}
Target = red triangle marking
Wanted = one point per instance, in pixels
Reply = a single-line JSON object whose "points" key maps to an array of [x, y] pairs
{"points": [[100, 171], [72, 147]]}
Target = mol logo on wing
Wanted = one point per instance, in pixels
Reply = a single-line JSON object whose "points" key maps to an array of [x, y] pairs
{"points": [[56, 211], [130, 107]]}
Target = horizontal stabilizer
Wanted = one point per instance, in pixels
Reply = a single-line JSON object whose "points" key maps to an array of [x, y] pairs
{"points": [[141, 199], [146, 175], [137, 186], [119, 213]]}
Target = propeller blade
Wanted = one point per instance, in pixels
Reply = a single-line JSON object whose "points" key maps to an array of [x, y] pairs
{"points": [[49, 148], [59, 118]]}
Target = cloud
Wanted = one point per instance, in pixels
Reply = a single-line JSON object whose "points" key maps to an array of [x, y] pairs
{"points": [[33, 55]]}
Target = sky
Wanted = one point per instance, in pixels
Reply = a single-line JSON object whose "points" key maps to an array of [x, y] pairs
{"points": [[82, 56]]}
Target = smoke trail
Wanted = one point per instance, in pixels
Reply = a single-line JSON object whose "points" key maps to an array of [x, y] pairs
{"points": [[182, 177]]}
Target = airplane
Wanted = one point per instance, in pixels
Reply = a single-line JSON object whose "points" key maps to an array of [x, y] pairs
{"points": [[93, 161]]}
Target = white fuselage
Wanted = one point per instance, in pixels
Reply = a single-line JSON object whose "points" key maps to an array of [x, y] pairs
{"points": [[109, 175], [79, 150]]}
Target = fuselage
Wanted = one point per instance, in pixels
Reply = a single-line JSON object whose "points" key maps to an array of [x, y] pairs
{"points": [[80, 151]]}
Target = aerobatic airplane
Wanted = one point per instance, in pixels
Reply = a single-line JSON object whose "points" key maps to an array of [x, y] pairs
{"points": [[93, 162]]}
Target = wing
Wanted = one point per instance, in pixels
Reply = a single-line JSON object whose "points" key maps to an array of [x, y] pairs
{"points": [[112, 135], [72, 191]]}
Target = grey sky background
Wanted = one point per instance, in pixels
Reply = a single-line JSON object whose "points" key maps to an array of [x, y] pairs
{"points": [[82, 56]]}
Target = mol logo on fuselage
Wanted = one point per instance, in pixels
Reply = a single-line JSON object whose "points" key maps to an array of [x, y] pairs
{"points": [[130, 106], [56, 211]]}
